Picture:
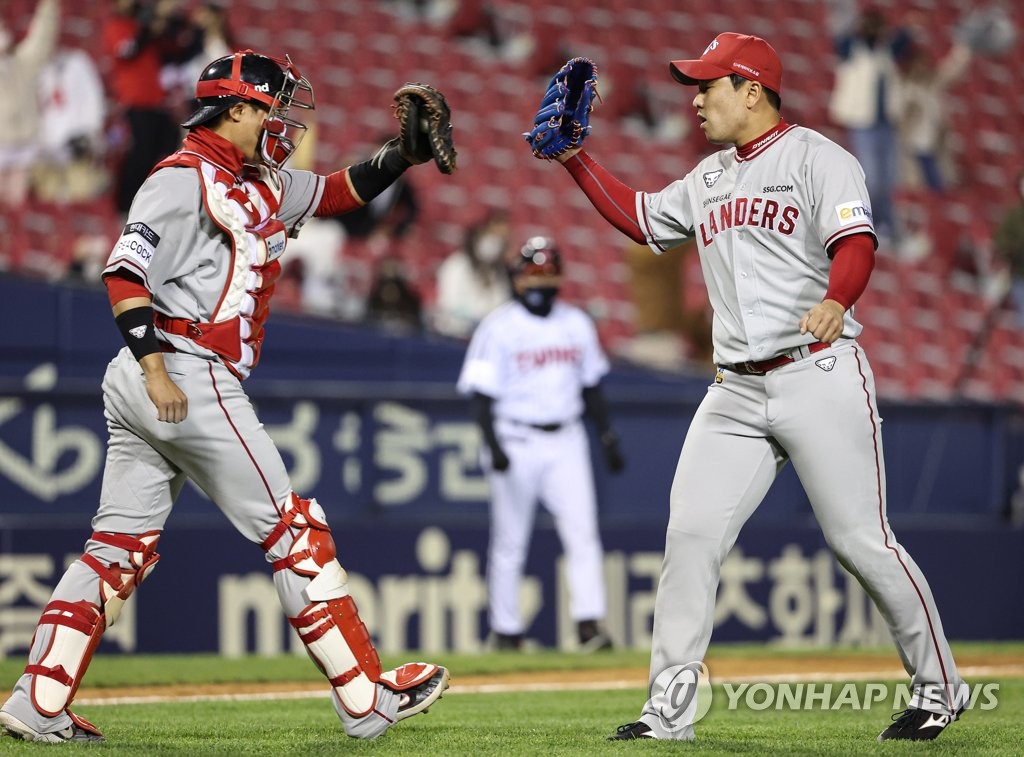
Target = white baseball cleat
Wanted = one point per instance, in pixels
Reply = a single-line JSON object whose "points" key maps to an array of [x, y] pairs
{"points": [[418, 684], [401, 693], [79, 730]]}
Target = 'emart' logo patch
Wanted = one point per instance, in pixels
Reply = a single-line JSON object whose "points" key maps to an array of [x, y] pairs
{"points": [[853, 212]]}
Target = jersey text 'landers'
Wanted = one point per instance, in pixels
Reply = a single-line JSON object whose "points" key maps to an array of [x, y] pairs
{"points": [[747, 211]]}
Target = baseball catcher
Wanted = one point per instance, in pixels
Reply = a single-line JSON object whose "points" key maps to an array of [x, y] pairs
{"points": [[190, 283], [563, 120], [425, 126]]}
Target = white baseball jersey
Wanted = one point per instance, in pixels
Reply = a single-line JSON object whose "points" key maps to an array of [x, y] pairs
{"points": [[535, 368], [762, 224]]}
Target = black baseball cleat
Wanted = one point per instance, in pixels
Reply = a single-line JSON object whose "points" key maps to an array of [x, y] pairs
{"points": [[508, 642], [630, 731], [914, 724], [592, 637]]}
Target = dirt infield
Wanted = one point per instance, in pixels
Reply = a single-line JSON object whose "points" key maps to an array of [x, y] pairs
{"points": [[804, 666]]}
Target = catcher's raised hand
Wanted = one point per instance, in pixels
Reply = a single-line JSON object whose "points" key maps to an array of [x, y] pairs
{"points": [[563, 119], [425, 126]]}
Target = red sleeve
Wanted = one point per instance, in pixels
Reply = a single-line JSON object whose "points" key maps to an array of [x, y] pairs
{"points": [[338, 196], [613, 199], [853, 258], [122, 286]]}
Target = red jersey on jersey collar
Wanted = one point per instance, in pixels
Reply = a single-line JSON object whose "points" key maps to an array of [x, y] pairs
{"points": [[214, 148], [749, 150]]}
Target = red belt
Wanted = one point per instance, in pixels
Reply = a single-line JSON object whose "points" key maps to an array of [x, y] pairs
{"points": [[761, 367]]}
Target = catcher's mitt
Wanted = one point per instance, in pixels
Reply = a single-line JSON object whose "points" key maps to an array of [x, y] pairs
{"points": [[424, 126], [563, 120]]}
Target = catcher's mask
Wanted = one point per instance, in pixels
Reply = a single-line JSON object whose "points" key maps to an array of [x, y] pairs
{"points": [[250, 77], [538, 257]]}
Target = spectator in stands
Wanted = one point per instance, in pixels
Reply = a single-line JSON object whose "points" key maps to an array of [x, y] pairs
{"points": [[138, 40], [472, 280], [668, 334], [924, 121], [393, 301], [392, 212], [208, 37], [20, 64], [72, 134], [362, 238], [470, 18], [865, 101], [1008, 244]]}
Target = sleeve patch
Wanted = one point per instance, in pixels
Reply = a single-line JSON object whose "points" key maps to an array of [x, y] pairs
{"points": [[853, 212], [138, 242]]}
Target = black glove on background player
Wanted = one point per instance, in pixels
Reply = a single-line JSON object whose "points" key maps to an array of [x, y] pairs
{"points": [[612, 454], [597, 409], [481, 405]]}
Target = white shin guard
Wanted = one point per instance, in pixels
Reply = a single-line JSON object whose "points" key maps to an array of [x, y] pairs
{"points": [[75, 627], [335, 637]]}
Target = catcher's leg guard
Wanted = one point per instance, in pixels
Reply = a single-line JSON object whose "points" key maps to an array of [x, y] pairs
{"points": [[329, 626], [75, 627]]}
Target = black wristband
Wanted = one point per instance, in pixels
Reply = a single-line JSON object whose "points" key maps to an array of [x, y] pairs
{"points": [[137, 329], [371, 177]]}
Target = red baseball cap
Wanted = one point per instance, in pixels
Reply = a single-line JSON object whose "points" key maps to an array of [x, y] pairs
{"points": [[729, 53]]}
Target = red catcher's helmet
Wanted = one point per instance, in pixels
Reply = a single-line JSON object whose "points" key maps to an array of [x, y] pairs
{"points": [[538, 257], [247, 76]]}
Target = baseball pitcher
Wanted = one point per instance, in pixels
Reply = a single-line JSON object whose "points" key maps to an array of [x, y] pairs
{"points": [[783, 224], [190, 282]]}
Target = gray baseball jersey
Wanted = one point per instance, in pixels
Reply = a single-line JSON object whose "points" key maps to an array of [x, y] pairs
{"points": [[763, 222], [763, 226], [174, 241], [206, 247]]}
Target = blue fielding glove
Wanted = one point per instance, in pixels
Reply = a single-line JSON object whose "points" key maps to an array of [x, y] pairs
{"points": [[563, 119]]}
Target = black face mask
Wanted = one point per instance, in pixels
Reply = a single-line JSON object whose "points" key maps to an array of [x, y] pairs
{"points": [[538, 300]]}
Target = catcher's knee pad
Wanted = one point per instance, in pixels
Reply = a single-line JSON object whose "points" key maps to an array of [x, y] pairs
{"points": [[76, 627], [335, 637]]}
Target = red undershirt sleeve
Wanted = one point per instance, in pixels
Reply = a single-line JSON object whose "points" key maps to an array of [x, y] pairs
{"points": [[338, 197], [853, 258], [123, 286], [613, 199]]}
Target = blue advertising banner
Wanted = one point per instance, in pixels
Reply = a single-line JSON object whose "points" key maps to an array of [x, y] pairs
{"points": [[369, 424], [411, 451], [424, 588]]}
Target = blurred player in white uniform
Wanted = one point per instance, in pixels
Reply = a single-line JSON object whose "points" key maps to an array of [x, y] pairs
{"points": [[533, 369], [190, 282], [783, 225]]}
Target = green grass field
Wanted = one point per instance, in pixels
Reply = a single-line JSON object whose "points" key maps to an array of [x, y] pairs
{"points": [[542, 723]]}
